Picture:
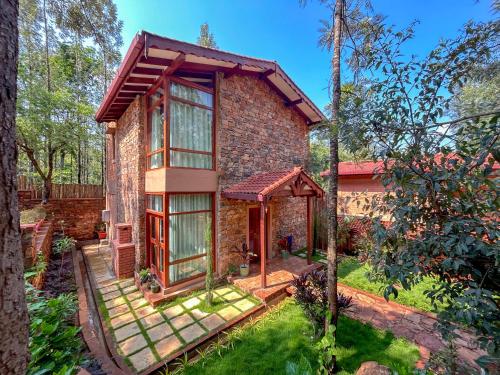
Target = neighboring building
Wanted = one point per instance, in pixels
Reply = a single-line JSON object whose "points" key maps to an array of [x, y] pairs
{"points": [[204, 143], [358, 186]]}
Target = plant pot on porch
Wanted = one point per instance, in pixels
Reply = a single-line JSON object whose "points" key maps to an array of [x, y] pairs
{"points": [[244, 270], [154, 287], [102, 235]]}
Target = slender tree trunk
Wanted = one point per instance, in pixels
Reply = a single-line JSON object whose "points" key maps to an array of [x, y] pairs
{"points": [[47, 62], [79, 162], [334, 162], [13, 310]]}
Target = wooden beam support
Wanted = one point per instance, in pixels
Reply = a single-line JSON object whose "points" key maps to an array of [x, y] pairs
{"points": [[176, 64], [233, 71], [262, 235], [294, 102], [267, 73], [309, 231], [147, 71]]}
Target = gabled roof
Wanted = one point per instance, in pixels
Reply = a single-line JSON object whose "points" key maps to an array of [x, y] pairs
{"points": [[150, 56], [259, 187]]}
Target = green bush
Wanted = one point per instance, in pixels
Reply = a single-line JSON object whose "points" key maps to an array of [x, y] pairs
{"points": [[63, 245], [33, 215], [54, 345]]}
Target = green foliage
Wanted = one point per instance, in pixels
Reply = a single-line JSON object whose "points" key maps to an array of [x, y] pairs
{"points": [[38, 268], [55, 346], [327, 350], [206, 38], [63, 245], [438, 175], [446, 361]]}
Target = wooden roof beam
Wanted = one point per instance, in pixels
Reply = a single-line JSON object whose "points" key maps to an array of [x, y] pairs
{"points": [[294, 102], [176, 64], [235, 70]]}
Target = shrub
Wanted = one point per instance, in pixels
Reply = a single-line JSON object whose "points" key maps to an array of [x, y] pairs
{"points": [[55, 346], [312, 295], [63, 245]]}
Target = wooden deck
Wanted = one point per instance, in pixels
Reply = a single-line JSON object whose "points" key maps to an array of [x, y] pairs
{"points": [[280, 272]]}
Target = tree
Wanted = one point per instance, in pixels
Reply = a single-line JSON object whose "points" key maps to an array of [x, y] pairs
{"points": [[13, 309], [438, 176], [206, 38]]}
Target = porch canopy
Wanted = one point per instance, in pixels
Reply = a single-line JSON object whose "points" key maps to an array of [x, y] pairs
{"points": [[264, 187]]}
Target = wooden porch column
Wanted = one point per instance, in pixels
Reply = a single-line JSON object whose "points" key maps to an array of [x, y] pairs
{"points": [[309, 231], [263, 252]]}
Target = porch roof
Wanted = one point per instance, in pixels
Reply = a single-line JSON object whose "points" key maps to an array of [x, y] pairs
{"points": [[151, 56], [263, 186]]}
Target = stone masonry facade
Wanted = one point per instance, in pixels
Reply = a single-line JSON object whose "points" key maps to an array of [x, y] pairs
{"points": [[257, 133], [126, 174]]}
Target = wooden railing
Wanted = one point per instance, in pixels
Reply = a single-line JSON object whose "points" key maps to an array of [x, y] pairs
{"points": [[58, 191]]}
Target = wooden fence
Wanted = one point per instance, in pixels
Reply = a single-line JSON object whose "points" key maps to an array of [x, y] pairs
{"points": [[28, 190]]}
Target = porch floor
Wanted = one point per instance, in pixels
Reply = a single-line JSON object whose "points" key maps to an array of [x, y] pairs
{"points": [[280, 273]]}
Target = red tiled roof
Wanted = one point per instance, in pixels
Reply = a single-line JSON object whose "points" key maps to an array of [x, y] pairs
{"points": [[257, 186], [362, 168], [369, 168]]}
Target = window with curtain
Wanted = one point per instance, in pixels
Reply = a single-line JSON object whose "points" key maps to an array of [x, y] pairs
{"points": [[156, 121], [190, 228], [191, 127]]}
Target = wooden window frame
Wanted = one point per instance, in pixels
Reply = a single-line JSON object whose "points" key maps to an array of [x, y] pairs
{"points": [[164, 244], [167, 244], [166, 101]]}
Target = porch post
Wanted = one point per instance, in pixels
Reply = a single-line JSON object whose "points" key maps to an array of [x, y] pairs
{"points": [[309, 231], [262, 236]]}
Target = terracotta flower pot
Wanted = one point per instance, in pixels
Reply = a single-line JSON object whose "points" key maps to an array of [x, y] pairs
{"points": [[102, 235]]}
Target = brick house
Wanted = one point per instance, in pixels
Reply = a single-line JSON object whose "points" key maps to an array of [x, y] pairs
{"points": [[222, 167]]}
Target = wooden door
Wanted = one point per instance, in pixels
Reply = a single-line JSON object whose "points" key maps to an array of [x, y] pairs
{"points": [[254, 230], [156, 245]]}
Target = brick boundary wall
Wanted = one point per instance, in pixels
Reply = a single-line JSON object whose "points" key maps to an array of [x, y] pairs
{"points": [[78, 215]]}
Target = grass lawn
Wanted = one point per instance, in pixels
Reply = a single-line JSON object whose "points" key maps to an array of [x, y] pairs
{"points": [[351, 272], [286, 334]]}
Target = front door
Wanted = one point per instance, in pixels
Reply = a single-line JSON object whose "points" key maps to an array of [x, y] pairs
{"points": [[156, 244], [254, 230]]}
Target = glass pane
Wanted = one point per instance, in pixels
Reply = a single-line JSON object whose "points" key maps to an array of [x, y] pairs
{"points": [[162, 239], [190, 160], [152, 224], [189, 235], [155, 203], [156, 96], [189, 93], [190, 127], [156, 136], [153, 254], [156, 160], [187, 269], [161, 260], [189, 202]]}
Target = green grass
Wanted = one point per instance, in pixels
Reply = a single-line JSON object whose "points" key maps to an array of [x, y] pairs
{"points": [[286, 335], [353, 273]]}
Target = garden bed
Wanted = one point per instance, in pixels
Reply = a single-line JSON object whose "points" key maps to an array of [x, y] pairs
{"points": [[285, 337]]}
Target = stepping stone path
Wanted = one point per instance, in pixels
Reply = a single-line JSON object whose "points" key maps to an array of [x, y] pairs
{"points": [[146, 335]]}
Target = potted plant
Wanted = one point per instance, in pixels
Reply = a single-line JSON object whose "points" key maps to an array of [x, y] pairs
{"points": [[245, 254], [101, 230], [145, 277], [283, 245], [154, 286]]}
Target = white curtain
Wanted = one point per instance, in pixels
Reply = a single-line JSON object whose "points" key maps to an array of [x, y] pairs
{"points": [[188, 233], [156, 141]]}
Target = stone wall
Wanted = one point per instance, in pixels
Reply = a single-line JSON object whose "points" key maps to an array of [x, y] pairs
{"points": [[78, 216], [256, 133], [126, 175]]}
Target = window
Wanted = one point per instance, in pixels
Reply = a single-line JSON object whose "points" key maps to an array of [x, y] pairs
{"points": [[155, 203], [190, 233], [156, 124], [191, 127]]}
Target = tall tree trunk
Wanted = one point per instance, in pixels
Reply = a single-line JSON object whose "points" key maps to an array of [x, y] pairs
{"points": [[79, 162], [334, 163], [13, 310], [47, 62]]}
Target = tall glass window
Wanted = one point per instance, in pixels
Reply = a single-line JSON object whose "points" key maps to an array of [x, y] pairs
{"points": [[156, 123], [190, 233], [191, 127]]}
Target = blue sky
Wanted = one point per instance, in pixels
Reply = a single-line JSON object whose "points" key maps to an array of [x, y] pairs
{"points": [[284, 31]]}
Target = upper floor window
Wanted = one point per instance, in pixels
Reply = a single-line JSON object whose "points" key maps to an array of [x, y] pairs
{"points": [[189, 123], [191, 127], [156, 124]]}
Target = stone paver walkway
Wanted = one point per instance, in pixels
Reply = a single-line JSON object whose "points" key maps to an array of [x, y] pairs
{"points": [[407, 322], [145, 335]]}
